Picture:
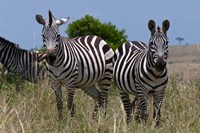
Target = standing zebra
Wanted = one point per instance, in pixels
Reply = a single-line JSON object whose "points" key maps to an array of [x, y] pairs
{"points": [[141, 70], [82, 62], [21, 62]]}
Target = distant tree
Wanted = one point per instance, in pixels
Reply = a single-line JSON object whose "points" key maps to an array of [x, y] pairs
{"points": [[91, 26], [179, 39]]}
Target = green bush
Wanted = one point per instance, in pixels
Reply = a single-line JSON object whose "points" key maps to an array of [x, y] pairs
{"points": [[91, 26]]}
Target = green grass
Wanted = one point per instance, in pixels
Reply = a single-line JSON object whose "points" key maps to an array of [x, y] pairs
{"points": [[33, 109]]}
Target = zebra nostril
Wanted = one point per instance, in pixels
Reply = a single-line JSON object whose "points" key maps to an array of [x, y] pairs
{"points": [[51, 57], [50, 52], [160, 65], [164, 63]]}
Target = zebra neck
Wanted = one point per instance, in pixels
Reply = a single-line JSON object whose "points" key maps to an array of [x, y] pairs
{"points": [[63, 54], [59, 56]]}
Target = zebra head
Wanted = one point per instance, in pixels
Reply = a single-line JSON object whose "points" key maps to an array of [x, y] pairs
{"points": [[51, 35], [158, 44]]}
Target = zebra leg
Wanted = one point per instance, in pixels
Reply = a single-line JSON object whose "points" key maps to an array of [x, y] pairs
{"points": [[157, 102], [56, 86], [136, 109], [105, 85], [70, 99], [93, 92], [127, 106], [143, 106]]}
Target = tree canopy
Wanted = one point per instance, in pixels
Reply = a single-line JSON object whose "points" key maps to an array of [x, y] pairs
{"points": [[91, 26]]}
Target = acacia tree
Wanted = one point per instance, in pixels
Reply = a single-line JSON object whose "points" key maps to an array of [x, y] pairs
{"points": [[179, 39], [91, 26]]}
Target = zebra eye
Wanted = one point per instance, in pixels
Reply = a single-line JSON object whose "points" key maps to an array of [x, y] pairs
{"points": [[43, 37], [154, 56], [58, 38], [152, 46], [45, 45]]}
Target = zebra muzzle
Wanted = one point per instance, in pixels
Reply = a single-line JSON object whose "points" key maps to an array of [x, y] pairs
{"points": [[51, 57], [160, 65]]}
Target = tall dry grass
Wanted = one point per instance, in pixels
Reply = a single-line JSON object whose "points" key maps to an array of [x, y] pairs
{"points": [[33, 109]]}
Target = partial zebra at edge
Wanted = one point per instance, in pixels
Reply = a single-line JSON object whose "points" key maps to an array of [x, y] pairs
{"points": [[26, 64]]}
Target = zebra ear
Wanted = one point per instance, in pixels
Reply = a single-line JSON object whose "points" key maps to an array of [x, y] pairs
{"points": [[165, 25], [152, 26], [62, 21], [50, 18], [40, 19]]}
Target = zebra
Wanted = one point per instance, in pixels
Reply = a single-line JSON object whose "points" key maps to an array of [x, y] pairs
{"points": [[83, 62], [141, 70], [25, 64]]}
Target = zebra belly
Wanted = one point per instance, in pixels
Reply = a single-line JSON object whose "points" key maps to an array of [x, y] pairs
{"points": [[87, 76], [82, 76], [91, 66]]}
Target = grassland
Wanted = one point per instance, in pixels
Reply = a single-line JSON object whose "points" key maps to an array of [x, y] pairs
{"points": [[33, 108]]}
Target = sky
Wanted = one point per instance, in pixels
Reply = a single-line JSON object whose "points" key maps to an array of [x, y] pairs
{"points": [[18, 24]]}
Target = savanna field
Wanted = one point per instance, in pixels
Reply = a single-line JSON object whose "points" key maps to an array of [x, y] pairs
{"points": [[31, 108]]}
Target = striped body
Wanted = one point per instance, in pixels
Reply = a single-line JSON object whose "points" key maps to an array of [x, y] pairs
{"points": [[21, 62], [141, 70], [132, 70], [82, 62]]}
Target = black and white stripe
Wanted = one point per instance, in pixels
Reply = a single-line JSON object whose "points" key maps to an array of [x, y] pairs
{"points": [[82, 62], [21, 62], [141, 70]]}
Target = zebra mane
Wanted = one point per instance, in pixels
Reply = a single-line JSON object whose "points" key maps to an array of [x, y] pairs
{"points": [[51, 18], [12, 44], [9, 42], [158, 28]]}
